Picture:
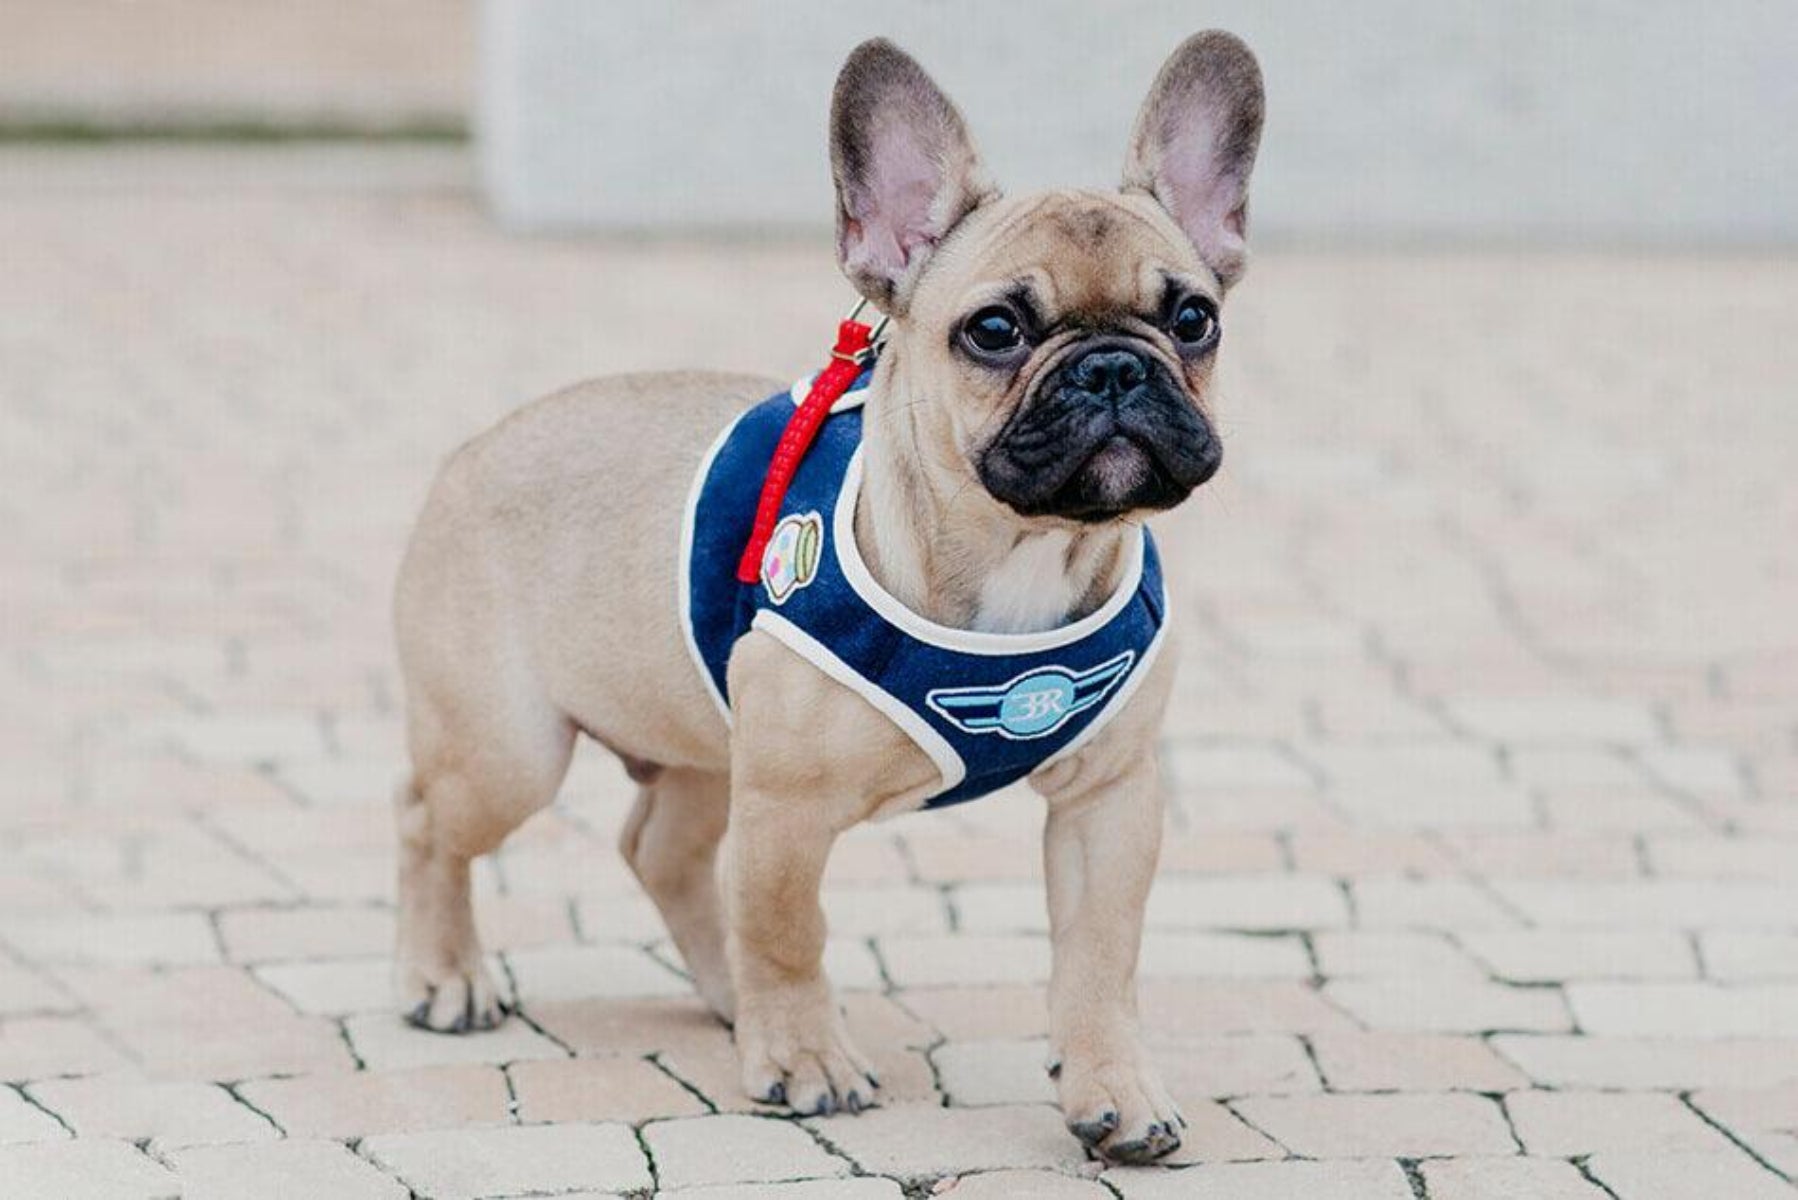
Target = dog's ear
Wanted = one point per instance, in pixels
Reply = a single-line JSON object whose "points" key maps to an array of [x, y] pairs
{"points": [[906, 170], [1195, 143]]}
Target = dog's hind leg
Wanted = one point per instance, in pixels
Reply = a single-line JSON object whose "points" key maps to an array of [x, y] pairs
{"points": [[671, 842], [479, 769]]}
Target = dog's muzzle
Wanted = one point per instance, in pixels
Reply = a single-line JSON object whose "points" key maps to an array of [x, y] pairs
{"points": [[1109, 430]]}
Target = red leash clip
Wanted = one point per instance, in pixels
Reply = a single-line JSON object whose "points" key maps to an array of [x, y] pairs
{"points": [[854, 350]]}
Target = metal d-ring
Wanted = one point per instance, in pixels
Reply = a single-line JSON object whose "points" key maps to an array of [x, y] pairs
{"points": [[864, 356], [875, 342]]}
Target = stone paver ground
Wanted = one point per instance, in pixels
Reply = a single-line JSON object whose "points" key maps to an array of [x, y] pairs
{"points": [[1482, 869]]}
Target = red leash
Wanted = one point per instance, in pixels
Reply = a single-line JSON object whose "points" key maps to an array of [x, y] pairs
{"points": [[853, 351]]}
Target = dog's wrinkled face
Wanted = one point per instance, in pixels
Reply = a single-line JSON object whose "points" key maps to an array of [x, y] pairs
{"points": [[1073, 339], [1064, 341]]}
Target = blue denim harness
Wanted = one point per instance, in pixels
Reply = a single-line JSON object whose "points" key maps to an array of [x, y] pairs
{"points": [[988, 708]]}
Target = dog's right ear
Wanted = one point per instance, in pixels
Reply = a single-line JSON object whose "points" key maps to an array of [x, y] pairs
{"points": [[906, 171]]}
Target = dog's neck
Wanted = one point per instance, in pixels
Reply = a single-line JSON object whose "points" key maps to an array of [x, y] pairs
{"points": [[949, 552]]}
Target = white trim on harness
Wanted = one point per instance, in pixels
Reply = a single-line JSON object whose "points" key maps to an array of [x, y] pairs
{"points": [[948, 763], [684, 573], [966, 641], [1115, 704]]}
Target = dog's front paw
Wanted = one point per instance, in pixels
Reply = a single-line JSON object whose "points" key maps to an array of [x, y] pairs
{"points": [[795, 1051], [1114, 1102], [461, 998]]}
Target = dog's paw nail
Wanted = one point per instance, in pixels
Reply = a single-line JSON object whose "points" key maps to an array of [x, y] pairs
{"points": [[854, 1103], [776, 1094], [1095, 1131], [419, 1012], [1053, 1066], [826, 1106], [1158, 1139]]}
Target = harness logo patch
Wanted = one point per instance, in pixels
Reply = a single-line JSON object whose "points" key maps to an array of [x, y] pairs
{"points": [[1034, 704], [791, 559]]}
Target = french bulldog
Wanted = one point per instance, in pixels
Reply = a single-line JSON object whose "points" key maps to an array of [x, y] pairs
{"points": [[1046, 381]]}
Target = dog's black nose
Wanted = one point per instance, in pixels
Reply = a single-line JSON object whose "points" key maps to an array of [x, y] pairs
{"points": [[1108, 373]]}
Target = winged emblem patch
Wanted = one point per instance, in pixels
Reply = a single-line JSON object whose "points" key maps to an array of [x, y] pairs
{"points": [[1034, 704]]}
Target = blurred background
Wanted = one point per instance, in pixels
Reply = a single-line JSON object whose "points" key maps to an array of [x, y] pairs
{"points": [[1482, 867], [1400, 120]]}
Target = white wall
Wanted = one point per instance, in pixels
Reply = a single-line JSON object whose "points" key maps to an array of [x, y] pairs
{"points": [[1561, 120]]}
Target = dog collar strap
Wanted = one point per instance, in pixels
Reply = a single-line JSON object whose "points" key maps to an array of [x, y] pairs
{"points": [[853, 351]]}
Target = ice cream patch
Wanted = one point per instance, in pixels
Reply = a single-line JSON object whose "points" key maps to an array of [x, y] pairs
{"points": [[791, 559]]}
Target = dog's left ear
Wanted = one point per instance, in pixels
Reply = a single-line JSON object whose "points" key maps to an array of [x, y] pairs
{"points": [[906, 171], [1195, 144]]}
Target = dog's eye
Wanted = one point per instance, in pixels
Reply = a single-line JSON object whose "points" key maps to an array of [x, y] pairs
{"points": [[993, 331], [1194, 323]]}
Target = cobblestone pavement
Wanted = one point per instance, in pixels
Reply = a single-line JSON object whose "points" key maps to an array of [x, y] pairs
{"points": [[1482, 871]]}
